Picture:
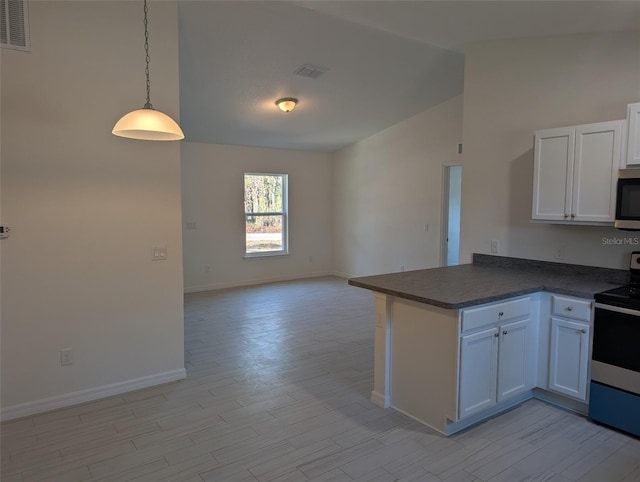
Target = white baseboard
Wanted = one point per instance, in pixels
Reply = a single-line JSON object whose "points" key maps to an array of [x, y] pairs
{"points": [[89, 395], [237, 284], [340, 274], [578, 406], [380, 400]]}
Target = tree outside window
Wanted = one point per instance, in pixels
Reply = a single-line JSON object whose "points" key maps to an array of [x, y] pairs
{"points": [[265, 212]]}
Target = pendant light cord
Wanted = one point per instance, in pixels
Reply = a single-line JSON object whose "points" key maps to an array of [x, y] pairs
{"points": [[146, 49]]}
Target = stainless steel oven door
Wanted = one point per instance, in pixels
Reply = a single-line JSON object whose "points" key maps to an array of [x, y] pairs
{"points": [[615, 359]]}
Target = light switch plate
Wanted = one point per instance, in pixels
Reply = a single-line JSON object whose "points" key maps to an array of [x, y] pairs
{"points": [[158, 253]]}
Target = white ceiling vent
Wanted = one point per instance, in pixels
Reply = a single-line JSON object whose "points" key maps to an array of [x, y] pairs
{"points": [[311, 71], [14, 24]]}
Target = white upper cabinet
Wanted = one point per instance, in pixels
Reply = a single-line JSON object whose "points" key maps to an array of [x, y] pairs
{"points": [[575, 173], [552, 169], [595, 171], [632, 157]]}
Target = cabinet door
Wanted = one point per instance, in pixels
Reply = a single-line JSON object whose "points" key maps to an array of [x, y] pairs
{"points": [[569, 358], [632, 157], [514, 366], [552, 174], [595, 172], [478, 371]]}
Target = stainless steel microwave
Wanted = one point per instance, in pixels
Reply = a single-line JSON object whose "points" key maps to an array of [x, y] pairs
{"points": [[628, 200]]}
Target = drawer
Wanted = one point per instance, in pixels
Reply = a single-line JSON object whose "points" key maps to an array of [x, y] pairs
{"points": [[571, 308], [474, 318]]}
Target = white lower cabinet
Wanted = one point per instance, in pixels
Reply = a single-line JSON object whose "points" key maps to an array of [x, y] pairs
{"points": [[569, 357], [452, 368], [478, 371], [514, 359], [569, 345], [496, 361]]}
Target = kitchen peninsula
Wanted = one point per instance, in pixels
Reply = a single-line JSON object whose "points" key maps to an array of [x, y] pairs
{"points": [[456, 345]]}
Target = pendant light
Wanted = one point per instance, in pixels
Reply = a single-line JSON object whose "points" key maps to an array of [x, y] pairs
{"points": [[148, 123]]}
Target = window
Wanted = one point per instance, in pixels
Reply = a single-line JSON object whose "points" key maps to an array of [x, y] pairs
{"points": [[265, 214], [14, 24]]}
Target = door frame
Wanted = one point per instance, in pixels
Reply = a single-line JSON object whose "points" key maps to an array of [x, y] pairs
{"points": [[444, 246]]}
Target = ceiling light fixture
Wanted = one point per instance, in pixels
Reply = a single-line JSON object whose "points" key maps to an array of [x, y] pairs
{"points": [[287, 104], [147, 123]]}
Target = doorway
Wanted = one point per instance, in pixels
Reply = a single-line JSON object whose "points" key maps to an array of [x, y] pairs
{"points": [[451, 215]]}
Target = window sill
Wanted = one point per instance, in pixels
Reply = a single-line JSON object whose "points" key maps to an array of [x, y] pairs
{"points": [[265, 255]]}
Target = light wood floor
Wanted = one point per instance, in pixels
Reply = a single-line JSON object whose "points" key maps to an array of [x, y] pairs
{"points": [[278, 386]]}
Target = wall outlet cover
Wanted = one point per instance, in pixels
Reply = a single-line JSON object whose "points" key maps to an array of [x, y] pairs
{"points": [[66, 357]]}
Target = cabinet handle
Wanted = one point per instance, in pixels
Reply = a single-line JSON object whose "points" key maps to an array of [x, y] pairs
{"points": [[569, 308], [583, 331], [504, 332], [573, 215], [566, 216], [496, 335], [500, 314]]}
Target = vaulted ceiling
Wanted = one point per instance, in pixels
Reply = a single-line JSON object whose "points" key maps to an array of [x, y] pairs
{"points": [[381, 61]]}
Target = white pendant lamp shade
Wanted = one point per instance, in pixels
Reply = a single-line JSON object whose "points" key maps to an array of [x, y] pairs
{"points": [[148, 124]]}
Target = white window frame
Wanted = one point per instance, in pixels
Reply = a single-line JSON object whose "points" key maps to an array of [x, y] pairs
{"points": [[285, 218], [7, 25]]}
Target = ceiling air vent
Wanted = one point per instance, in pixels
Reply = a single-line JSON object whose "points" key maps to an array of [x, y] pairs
{"points": [[14, 24], [311, 71]]}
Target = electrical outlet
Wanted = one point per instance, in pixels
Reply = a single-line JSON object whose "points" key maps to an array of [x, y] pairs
{"points": [[559, 252], [66, 357], [495, 246], [402, 267]]}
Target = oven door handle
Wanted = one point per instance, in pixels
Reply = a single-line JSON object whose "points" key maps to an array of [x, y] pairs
{"points": [[617, 309]]}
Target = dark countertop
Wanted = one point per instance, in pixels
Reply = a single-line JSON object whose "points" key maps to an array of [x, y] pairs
{"points": [[492, 278]]}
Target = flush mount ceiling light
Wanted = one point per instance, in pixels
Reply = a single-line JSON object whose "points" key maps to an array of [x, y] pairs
{"points": [[148, 123], [287, 104]]}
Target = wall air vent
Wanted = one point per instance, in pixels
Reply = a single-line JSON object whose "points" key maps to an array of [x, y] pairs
{"points": [[310, 71], [14, 25]]}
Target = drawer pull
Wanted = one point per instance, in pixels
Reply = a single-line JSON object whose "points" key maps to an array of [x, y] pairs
{"points": [[583, 331], [504, 332], [496, 335], [569, 308], [501, 313]]}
